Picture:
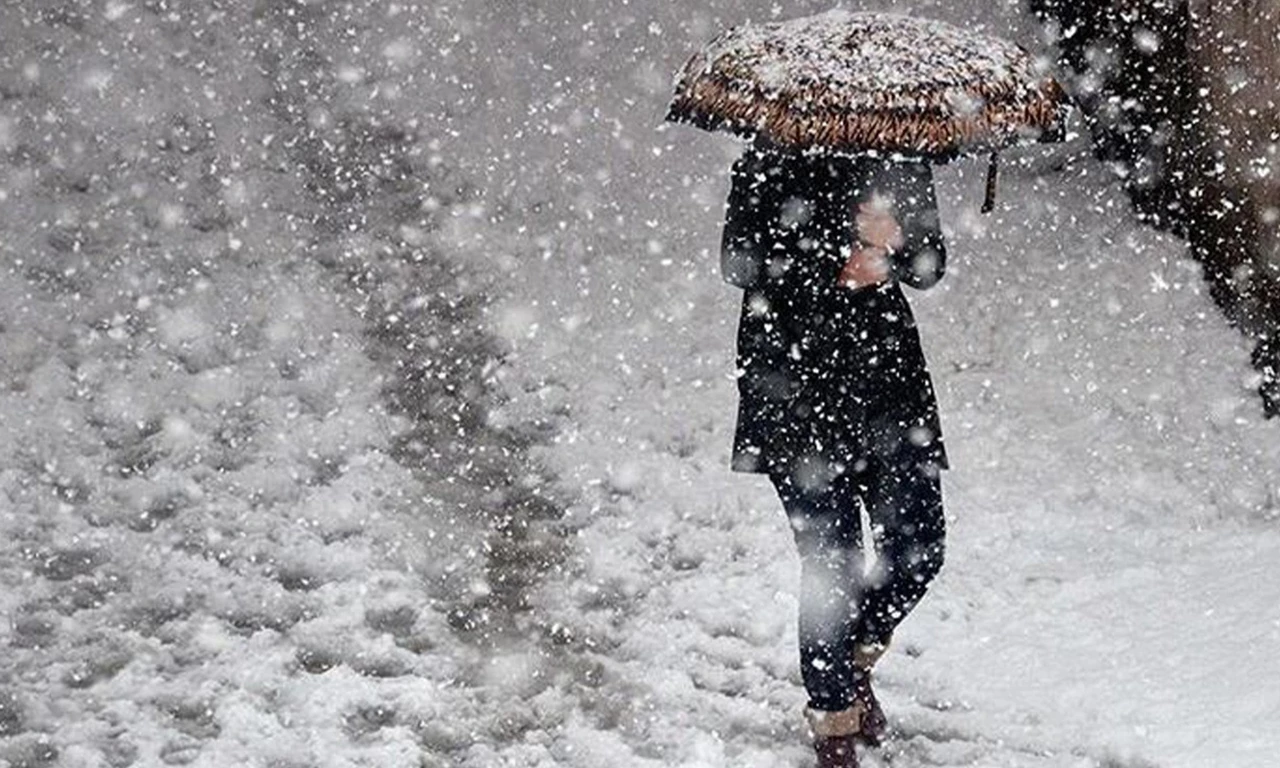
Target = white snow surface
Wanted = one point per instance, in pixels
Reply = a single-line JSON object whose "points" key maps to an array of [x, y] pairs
{"points": [[210, 555]]}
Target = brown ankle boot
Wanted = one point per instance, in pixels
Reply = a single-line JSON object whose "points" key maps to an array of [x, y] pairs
{"points": [[835, 734], [836, 752], [874, 722]]}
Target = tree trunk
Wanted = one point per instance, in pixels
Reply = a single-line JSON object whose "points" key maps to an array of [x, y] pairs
{"points": [[1184, 97]]}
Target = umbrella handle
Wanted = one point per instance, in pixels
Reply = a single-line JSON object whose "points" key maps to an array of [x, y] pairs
{"points": [[989, 202]]}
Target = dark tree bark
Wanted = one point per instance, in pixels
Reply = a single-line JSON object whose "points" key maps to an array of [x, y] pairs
{"points": [[1153, 78]]}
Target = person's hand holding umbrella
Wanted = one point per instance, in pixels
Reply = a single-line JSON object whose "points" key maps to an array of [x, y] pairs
{"points": [[878, 233]]}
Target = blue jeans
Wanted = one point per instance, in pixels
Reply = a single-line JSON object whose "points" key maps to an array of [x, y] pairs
{"points": [[841, 605]]}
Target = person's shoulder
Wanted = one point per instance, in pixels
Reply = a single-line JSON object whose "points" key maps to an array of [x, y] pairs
{"points": [[768, 168], [895, 172], [889, 162]]}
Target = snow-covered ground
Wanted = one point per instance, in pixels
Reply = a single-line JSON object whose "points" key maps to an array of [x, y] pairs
{"points": [[248, 495], [240, 526]]}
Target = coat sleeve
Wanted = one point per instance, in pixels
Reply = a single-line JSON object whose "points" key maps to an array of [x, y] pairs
{"points": [[747, 238], [922, 259]]}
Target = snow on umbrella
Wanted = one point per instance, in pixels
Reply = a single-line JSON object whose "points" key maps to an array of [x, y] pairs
{"points": [[870, 81]]}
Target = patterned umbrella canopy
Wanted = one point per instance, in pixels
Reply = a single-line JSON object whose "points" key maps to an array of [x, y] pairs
{"points": [[869, 81]]}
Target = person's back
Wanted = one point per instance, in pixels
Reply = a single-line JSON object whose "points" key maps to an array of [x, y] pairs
{"points": [[807, 337], [836, 404]]}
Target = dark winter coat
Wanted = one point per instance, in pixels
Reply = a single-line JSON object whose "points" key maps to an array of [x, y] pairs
{"points": [[828, 376]]}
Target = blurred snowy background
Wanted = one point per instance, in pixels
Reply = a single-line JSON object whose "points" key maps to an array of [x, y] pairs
{"points": [[366, 397]]}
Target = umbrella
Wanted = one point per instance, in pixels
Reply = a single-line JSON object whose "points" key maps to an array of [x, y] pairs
{"points": [[867, 81]]}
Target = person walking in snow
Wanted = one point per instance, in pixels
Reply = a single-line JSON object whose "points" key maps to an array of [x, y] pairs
{"points": [[836, 404], [826, 220]]}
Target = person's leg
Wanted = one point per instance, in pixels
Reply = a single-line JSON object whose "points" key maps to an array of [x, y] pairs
{"points": [[825, 523], [904, 505]]}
